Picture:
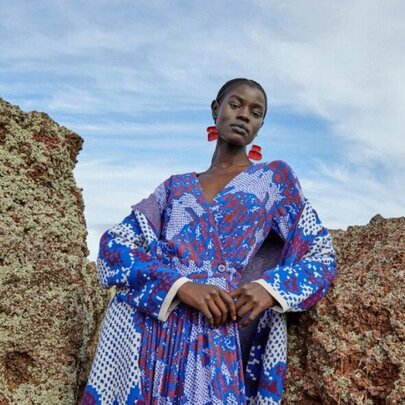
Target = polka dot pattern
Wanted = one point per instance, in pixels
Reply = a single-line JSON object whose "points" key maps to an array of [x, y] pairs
{"points": [[115, 374]]}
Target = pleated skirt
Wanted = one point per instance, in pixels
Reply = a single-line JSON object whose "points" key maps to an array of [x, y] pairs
{"points": [[141, 360]]}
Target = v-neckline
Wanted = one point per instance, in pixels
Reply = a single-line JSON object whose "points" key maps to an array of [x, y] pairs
{"points": [[227, 185]]}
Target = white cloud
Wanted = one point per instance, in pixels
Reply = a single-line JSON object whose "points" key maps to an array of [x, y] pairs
{"points": [[109, 127], [343, 61], [347, 196], [105, 66]]}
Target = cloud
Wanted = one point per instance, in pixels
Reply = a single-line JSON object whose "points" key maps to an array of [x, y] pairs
{"points": [[123, 128], [346, 197], [136, 79], [339, 61]]}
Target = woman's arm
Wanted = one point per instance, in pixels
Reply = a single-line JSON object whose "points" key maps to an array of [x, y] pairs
{"points": [[298, 285], [126, 260], [309, 262]]}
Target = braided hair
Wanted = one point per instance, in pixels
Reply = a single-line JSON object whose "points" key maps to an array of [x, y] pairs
{"points": [[240, 80]]}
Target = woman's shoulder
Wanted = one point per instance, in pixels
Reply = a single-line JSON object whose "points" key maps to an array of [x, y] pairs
{"points": [[282, 173], [176, 179], [278, 164], [179, 178]]}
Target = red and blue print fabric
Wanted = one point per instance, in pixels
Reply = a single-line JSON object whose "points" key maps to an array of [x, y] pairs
{"points": [[152, 348]]}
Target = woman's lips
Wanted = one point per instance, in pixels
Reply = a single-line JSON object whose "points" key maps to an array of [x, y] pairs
{"points": [[239, 129]]}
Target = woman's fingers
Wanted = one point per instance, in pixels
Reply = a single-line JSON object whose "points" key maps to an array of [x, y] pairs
{"points": [[235, 293], [216, 295], [252, 299], [223, 306], [245, 309], [242, 300], [251, 317], [208, 315], [227, 298], [215, 311], [216, 304], [254, 313]]}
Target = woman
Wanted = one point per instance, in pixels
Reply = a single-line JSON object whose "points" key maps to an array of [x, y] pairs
{"points": [[171, 332]]}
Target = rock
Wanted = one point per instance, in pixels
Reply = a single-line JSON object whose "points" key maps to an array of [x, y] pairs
{"points": [[50, 302], [349, 349]]}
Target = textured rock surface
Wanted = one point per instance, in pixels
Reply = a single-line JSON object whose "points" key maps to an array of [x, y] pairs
{"points": [[350, 348], [50, 302]]}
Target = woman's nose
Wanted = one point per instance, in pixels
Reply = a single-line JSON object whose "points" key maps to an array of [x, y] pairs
{"points": [[243, 114]]}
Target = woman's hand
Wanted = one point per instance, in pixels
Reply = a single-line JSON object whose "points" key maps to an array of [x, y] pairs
{"points": [[253, 298], [216, 304]]}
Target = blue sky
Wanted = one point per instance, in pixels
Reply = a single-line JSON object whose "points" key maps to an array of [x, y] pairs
{"points": [[136, 78]]}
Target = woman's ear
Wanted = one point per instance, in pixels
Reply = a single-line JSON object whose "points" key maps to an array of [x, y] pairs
{"points": [[262, 124], [214, 109]]}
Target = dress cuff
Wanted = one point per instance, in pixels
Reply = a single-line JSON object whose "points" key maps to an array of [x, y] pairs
{"points": [[283, 307], [169, 303]]}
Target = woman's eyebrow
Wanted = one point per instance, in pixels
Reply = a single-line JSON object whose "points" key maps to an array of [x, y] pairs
{"points": [[238, 97], [241, 99]]}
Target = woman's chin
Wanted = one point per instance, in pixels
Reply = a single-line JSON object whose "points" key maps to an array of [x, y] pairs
{"points": [[235, 141]]}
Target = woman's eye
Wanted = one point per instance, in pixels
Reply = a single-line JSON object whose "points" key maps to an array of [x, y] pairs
{"points": [[257, 114], [234, 105]]}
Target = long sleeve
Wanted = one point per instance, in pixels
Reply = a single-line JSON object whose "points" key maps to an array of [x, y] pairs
{"points": [[308, 263], [127, 260]]}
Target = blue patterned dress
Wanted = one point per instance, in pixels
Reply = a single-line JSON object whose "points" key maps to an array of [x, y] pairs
{"points": [[152, 348]]}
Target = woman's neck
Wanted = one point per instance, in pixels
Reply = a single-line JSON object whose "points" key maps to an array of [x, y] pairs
{"points": [[225, 158]]}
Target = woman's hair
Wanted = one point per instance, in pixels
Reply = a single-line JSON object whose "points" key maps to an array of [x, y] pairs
{"points": [[240, 80]]}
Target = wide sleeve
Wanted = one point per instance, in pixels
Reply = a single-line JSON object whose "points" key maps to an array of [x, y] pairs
{"points": [[127, 260], [308, 261]]}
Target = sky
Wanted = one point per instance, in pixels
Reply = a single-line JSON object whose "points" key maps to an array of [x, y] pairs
{"points": [[135, 79]]}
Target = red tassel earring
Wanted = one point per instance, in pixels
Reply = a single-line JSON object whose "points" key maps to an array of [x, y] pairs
{"points": [[255, 153], [212, 133]]}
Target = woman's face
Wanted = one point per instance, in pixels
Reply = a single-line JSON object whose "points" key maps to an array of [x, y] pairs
{"points": [[239, 116]]}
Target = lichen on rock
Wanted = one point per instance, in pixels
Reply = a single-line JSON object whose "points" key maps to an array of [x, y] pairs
{"points": [[51, 303], [350, 348]]}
